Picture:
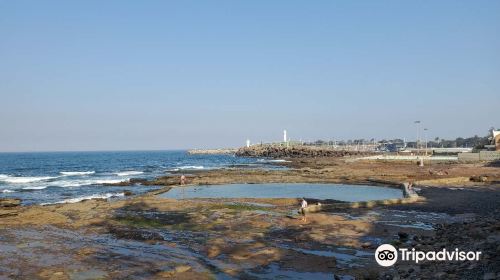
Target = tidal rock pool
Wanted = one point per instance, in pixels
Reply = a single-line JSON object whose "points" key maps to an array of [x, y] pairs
{"points": [[350, 193]]}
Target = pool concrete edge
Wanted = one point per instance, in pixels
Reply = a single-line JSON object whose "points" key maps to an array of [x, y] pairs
{"points": [[410, 196]]}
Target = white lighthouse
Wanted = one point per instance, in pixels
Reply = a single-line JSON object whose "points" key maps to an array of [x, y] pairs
{"points": [[284, 136]]}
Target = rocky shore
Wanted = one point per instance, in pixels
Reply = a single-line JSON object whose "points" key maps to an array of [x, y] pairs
{"points": [[481, 234], [261, 238]]}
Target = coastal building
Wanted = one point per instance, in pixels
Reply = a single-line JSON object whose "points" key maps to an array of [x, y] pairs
{"points": [[496, 139]]}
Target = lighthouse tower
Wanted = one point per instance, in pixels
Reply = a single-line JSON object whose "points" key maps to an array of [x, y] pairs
{"points": [[284, 135]]}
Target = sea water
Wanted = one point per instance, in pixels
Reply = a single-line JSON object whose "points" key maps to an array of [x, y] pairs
{"points": [[54, 177]]}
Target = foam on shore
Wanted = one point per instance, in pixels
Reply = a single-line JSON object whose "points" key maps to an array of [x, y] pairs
{"points": [[87, 197], [129, 173]]}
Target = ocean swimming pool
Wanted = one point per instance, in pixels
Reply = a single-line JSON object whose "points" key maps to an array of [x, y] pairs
{"points": [[342, 192]]}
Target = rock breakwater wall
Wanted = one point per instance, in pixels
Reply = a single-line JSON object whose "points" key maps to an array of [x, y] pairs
{"points": [[296, 152], [212, 151]]}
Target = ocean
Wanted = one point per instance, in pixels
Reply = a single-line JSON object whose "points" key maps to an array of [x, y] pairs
{"points": [[65, 177]]}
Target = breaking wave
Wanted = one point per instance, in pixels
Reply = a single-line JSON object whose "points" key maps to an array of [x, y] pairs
{"points": [[79, 183], [23, 180], [76, 173], [35, 188], [129, 173], [87, 197], [190, 167]]}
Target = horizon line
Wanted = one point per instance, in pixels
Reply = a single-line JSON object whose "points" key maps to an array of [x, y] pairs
{"points": [[93, 151]]}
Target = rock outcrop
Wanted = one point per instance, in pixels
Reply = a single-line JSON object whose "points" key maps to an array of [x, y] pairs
{"points": [[10, 202]]}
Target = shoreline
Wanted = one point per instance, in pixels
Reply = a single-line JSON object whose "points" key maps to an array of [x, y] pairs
{"points": [[244, 237]]}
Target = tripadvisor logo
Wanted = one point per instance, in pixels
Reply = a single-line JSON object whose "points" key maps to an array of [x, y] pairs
{"points": [[387, 255]]}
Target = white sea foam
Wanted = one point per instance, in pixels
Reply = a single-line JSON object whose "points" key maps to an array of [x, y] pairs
{"points": [[88, 182], [35, 188], [190, 167], [76, 173], [129, 173], [3, 176], [8, 191], [23, 180], [273, 160], [111, 181], [82, 198], [73, 183]]}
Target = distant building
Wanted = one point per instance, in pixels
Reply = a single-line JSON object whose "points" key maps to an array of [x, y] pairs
{"points": [[490, 152], [495, 139]]}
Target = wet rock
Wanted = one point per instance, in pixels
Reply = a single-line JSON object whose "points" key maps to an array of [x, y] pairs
{"points": [[478, 179], [495, 239], [213, 251], [472, 266], [414, 269], [219, 227], [403, 235], [137, 181], [135, 234], [440, 275], [489, 276], [10, 202], [396, 243], [127, 193], [367, 245], [182, 268]]}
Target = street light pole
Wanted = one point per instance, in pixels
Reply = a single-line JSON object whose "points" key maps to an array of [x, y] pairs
{"points": [[416, 141], [425, 139]]}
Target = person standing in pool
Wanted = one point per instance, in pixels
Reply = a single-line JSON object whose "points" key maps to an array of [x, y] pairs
{"points": [[302, 210]]}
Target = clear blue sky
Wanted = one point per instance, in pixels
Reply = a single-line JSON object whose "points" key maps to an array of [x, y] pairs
{"points": [[114, 75]]}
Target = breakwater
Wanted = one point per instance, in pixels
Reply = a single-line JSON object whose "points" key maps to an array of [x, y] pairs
{"points": [[296, 152], [226, 151]]}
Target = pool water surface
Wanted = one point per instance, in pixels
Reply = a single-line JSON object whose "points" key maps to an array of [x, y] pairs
{"points": [[350, 193]]}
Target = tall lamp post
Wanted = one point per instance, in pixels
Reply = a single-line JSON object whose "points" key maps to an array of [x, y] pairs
{"points": [[416, 142], [425, 139]]}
